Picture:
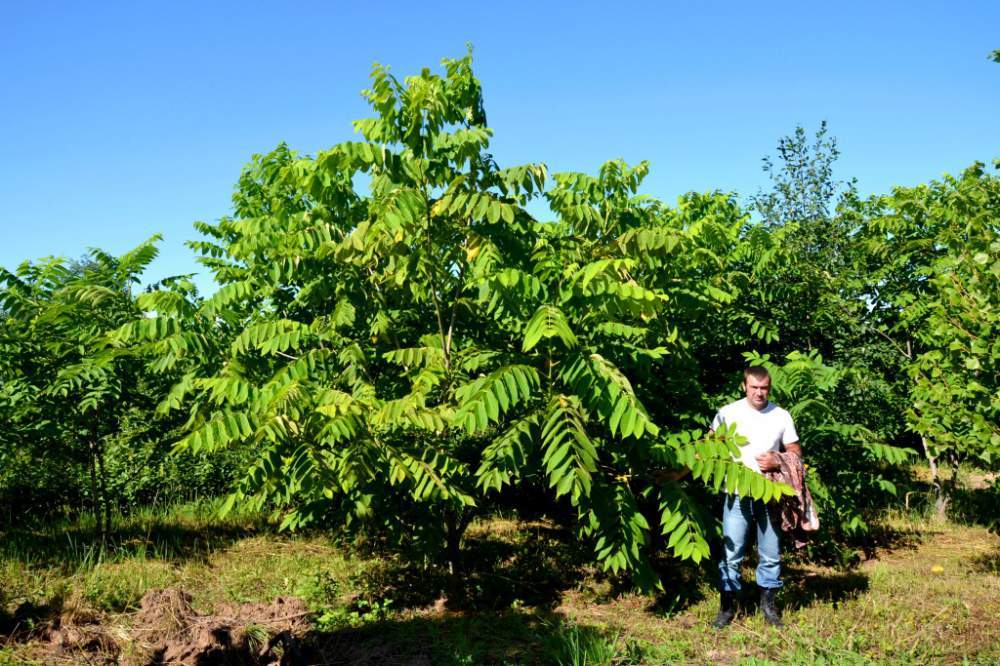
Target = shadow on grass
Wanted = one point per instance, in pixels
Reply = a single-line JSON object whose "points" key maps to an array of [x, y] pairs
{"points": [[469, 638], [988, 563], [806, 588], [682, 586], [977, 506], [886, 537], [19, 625], [802, 588], [532, 569], [163, 538], [975, 500]]}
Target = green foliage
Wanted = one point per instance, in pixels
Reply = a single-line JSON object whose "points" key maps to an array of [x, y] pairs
{"points": [[77, 422], [956, 393], [940, 279], [424, 347], [804, 187], [67, 390], [799, 291], [398, 345]]}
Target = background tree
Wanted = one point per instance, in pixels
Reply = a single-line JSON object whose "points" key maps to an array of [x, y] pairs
{"points": [[936, 295], [67, 391], [806, 282]]}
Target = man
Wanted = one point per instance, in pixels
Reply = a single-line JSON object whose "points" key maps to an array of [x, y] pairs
{"points": [[767, 428]]}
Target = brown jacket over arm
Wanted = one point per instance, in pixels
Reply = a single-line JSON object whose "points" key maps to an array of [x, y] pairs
{"points": [[795, 513]]}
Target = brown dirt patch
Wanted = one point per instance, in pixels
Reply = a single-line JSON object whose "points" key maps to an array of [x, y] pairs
{"points": [[233, 633], [168, 630]]}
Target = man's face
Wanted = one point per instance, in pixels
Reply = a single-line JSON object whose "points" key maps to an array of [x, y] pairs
{"points": [[758, 389]]}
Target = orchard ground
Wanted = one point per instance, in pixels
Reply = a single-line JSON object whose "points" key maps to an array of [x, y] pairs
{"points": [[927, 592]]}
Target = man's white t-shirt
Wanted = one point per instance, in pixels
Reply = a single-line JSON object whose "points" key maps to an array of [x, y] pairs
{"points": [[766, 430]]}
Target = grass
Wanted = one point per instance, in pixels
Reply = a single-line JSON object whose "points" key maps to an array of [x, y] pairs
{"points": [[188, 546], [934, 601], [932, 598]]}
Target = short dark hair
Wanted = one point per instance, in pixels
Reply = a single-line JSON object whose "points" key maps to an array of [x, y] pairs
{"points": [[757, 372]]}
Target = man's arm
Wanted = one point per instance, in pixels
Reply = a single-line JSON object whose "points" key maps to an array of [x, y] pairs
{"points": [[768, 462]]}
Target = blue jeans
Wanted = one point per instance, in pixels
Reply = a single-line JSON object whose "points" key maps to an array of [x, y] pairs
{"points": [[738, 513]]}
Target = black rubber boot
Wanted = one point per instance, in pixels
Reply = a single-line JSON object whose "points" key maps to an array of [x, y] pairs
{"points": [[727, 610], [769, 607]]}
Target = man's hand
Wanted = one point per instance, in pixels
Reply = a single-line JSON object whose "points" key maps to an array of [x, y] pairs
{"points": [[768, 462]]}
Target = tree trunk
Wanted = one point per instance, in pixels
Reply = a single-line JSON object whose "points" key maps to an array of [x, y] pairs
{"points": [[103, 479], [940, 497], [454, 528], [455, 523], [95, 501], [952, 486]]}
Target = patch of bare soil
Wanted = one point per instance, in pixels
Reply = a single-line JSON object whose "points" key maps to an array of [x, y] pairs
{"points": [[79, 633], [168, 630]]}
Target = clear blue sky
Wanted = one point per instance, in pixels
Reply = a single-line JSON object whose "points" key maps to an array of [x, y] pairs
{"points": [[119, 120]]}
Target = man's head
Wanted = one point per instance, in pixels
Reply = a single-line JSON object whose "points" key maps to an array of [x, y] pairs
{"points": [[757, 384]]}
